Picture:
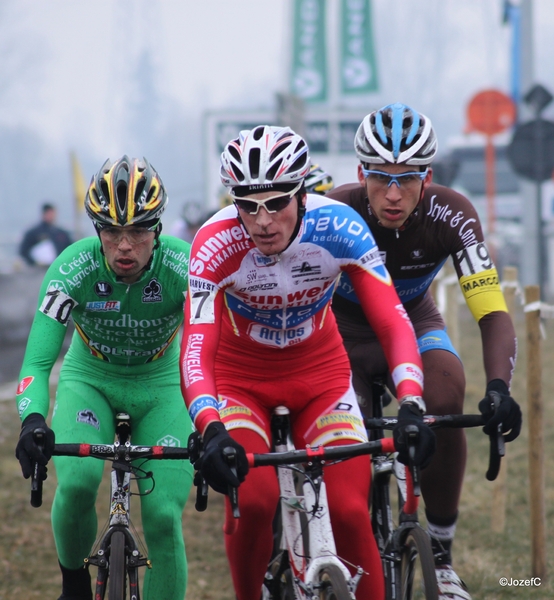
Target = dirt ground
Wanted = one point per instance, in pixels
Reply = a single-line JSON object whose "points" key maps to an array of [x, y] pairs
{"points": [[28, 564]]}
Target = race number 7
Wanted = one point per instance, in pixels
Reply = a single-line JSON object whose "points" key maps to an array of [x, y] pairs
{"points": [[202, 307]]}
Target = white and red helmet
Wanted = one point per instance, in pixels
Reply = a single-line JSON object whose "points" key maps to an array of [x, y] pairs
{"points": [[263, 157]]}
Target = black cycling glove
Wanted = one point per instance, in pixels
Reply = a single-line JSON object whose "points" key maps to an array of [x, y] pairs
{"points": [[213, 465], [27, 451], [508, 412], [409, 414]]}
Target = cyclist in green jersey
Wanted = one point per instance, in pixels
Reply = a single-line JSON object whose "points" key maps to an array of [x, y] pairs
{"points": [[124, 290]]}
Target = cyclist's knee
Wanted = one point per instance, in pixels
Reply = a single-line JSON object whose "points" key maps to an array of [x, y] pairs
{"points": [[80, 492]]}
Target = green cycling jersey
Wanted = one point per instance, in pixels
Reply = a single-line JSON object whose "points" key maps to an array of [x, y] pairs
{"points": [[123, 324]]}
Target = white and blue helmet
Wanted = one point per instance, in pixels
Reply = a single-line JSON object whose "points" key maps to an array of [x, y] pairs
{"points": [[397, 134]]}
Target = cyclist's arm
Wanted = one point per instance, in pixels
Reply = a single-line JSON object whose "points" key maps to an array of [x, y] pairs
{"points": [[43, 348], [480, 286], [388, 318], [203, 311]]}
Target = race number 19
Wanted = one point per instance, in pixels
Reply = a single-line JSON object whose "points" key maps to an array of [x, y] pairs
{"points": [[474, 259]]}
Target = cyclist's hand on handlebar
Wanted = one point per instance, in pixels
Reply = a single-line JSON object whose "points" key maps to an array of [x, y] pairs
{"points": [[508, 412], [409, 414], [214, 466], [28, 452]]}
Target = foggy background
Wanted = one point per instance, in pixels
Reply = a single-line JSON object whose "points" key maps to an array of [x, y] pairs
{"points": [[109, 77]]}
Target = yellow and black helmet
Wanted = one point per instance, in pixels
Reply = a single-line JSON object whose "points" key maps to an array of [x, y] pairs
{"points": [[318, 181], [126, 192]]}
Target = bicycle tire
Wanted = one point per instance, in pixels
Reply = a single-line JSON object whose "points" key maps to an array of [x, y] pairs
{"points": [[418, 580], [333, 584], [117, 574]]}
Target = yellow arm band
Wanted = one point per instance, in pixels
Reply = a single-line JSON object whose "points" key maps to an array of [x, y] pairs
{"points": [[482, 293]]}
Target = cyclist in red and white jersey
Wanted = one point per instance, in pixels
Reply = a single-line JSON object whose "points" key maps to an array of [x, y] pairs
{"points": [[259, 334], [418, 225]]}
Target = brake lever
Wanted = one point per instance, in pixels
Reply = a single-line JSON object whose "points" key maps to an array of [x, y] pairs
{"points": [[230, 456], [497, 444], [195, 448], [36, 479], [412, 435]]}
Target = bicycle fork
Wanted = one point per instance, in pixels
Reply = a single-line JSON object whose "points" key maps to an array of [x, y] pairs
{"points": [[313, 503]]}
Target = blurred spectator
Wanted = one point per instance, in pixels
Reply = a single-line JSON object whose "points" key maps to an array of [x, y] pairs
{"points": [[44, 242], [192, 217]]}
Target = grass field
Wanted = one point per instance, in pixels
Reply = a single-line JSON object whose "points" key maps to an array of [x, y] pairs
{"points": [[28, 564]]}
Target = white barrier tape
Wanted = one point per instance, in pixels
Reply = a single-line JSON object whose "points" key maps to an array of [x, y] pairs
{"points": [[505, 285], [546, 310]]}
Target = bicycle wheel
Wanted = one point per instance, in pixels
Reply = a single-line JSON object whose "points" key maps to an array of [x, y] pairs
{"points": [[333, 585], [117, 574], [286, 588], [418, 580]]}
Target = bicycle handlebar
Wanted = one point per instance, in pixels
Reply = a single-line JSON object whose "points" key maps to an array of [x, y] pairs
{"points": [[496, 449], [123, 453], [131, 452], [320, 453]]}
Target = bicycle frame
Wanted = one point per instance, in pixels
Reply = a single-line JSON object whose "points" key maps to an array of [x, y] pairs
{"points": [[120, 518], [122, 453], [322, 549], [311, 504]]}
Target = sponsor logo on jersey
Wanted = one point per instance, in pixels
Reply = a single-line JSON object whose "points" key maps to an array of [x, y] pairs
{"points": [[258, 287], [339, 417], [305, 269], [104, 305], [417, 254], [176, 261], [478, 283], [88, 417], [459, 221], [103, 289], [234, 410], [261, 260], [24, 384], [169, 441], [343, 407], [192, 364], [22, 405], [77, 269], [218, 248], [280, 338], [152, 292]]}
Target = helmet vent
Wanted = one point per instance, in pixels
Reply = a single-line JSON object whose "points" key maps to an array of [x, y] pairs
{"points": [[151, 192], [139, 191], [299, 162], [270, 175], [254, 162], [121, 195], [105, 190], [238, 173], [234, 152], [258, 133], [279, 150]]}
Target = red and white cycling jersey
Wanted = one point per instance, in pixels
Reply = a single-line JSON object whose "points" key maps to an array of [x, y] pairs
{"points": [[249, 312]]}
